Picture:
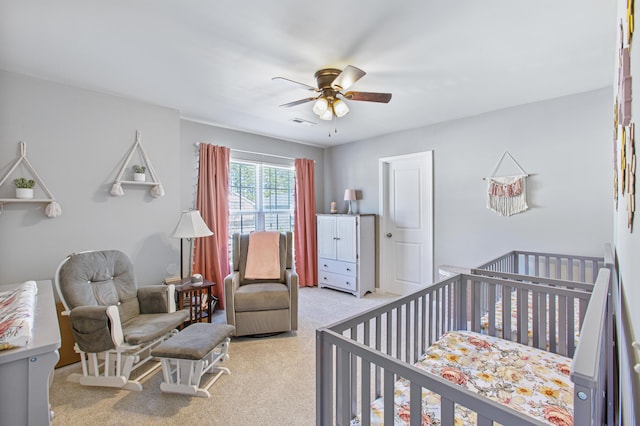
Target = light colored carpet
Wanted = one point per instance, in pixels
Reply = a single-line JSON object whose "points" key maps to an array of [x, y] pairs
{"points": [[272, 380]]}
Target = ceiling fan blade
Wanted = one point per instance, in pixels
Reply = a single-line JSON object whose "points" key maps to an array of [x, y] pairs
{"points": [[368, 96], [306, 86], [298, 102], [347, 77]]}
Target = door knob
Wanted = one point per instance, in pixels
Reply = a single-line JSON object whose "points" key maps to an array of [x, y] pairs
{"points": [[389, 235]]}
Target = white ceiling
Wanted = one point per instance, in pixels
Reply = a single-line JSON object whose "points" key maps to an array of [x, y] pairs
{"points": [[214, 60]]}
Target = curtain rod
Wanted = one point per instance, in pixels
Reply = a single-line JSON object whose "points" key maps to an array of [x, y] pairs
{"points": [[262, 153], [258, 153]]}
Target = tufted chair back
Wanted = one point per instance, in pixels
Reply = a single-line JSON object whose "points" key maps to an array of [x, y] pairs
{"points": [[100, 278]]}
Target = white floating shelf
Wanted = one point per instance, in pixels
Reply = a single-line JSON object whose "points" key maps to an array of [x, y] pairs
{"points": [[25, 200], [135, 182]]}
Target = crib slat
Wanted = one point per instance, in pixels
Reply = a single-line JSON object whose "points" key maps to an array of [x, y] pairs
{"points": [[389, 343], [475, 306], [553, 323], [415, 409], [571, 328], [543, 308], [492, 310], [523, 320], [342, 387], [437, 324], [416, 326], [562, 329], [462, 305], [446, 411], [546, 267], [389, 406], [398, 345], [408, 332], [535, 310], [506, 309], [354, 375], [484, 421], [366, 394], [425, 324], [430, 324], [570, 267], [378, 345]]}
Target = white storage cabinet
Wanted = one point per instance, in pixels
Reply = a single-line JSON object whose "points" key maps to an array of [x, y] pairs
{"points": [[346, 252]]}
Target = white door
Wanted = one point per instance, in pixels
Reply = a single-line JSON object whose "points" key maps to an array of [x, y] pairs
{"points": [[406, 234]]}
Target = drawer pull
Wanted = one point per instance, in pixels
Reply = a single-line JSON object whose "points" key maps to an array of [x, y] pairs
{"points": [[325, 265], [348, 269]]}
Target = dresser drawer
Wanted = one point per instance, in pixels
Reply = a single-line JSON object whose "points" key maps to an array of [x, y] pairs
{"points": [[338, 267], [337, 280]]}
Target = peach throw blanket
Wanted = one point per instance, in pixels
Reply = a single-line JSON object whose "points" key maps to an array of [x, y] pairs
{"points": [[263, 256]]}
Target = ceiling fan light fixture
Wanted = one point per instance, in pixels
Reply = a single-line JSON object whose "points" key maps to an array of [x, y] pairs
{"points": [[320, 106], [340, 108], [327, 115]]}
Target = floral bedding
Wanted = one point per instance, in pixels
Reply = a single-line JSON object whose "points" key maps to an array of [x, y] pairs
{"points": [[484, 320], [526, 379], [17, 311]]}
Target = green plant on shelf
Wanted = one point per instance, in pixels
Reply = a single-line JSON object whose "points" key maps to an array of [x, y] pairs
{"points": [[139, 169], [24, 183]]}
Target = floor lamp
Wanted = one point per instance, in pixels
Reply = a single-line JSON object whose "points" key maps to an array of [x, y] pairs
{"points": [[190, 226]]}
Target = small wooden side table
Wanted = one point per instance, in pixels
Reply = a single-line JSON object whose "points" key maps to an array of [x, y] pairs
{"points": [[199, 299]]}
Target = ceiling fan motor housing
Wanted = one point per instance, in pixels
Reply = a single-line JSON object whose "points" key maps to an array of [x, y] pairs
{"points": [[325, 77]]}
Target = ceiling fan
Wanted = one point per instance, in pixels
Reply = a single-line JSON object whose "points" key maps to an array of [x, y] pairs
{"points": [[332, 83]]}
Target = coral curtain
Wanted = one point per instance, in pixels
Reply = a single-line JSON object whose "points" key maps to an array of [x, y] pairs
{"points": [[305, 224], [211, 258]]}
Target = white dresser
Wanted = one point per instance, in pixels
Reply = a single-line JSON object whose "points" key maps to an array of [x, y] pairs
{"points": [[25, 372], [346, 252]]}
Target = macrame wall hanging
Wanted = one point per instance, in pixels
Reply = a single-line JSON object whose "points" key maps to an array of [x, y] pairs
{"points": [[156, 187], [507, 195]]}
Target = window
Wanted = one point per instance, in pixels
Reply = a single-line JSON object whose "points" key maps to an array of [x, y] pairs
{"points": [[261, 197]]}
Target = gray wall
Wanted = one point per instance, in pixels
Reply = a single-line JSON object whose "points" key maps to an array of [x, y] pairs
{"points": [[77, 140], [193, 133], [627, 246], [564, 145]]}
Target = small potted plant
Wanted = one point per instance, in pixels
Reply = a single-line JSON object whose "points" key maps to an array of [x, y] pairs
{"points": [[24, 187], [138, 173]]}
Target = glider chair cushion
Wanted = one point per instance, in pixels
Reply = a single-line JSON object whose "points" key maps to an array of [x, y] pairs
{"points": [[109, 313], [262, 305]]}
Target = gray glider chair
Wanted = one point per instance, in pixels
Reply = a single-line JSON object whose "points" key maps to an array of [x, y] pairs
{"points": [[261, 306], [115, 323]]}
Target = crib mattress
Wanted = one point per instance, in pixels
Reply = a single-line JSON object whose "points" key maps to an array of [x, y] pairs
{"points": [[527, 379]]}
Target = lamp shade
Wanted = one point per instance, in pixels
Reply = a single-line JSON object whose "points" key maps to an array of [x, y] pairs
{"points": [[326, 115], [350, 194], [320, 106], [340, 108], [191, 225]]}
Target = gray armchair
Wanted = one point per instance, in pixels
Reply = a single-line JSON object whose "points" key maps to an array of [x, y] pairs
{"points": [[261, 306], [115, 323]]}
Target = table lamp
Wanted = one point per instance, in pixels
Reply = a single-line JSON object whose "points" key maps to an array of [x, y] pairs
{"points": [[190, 226], [350, 195]]}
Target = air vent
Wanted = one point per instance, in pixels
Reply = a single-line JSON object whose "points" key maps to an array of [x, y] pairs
{"points": [[303, 122]]}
